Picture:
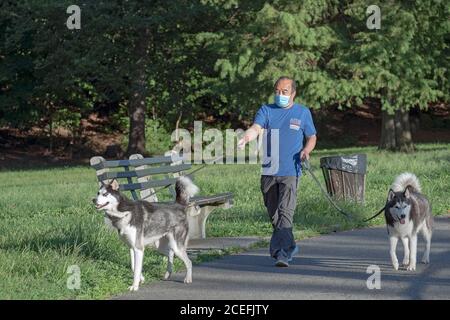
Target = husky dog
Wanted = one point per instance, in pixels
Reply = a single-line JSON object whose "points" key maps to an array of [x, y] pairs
{"points": [[407, 213], [141, 223]]}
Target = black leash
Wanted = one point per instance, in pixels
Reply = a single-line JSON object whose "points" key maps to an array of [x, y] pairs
{"points": [[306, 165], [376, 215]]}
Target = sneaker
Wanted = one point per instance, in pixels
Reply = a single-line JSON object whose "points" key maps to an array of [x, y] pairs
{"points": [[282, 261], [293, 253]]}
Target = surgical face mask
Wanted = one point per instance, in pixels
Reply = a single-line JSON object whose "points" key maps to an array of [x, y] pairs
{"points": [[282, 101]]}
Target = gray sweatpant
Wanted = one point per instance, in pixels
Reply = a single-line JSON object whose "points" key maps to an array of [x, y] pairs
{"points": [[280, 199]]}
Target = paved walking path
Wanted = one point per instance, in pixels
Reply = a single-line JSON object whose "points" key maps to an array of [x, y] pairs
{"points": [[327, 267]]}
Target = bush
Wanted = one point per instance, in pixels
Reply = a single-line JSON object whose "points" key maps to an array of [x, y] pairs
{"points": [[157, 138]]}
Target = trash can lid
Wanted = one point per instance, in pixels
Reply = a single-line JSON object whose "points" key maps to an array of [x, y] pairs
{"points": [[356, 163]]}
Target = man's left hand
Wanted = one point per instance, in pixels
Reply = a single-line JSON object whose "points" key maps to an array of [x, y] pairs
{"points": [[304, 155]]}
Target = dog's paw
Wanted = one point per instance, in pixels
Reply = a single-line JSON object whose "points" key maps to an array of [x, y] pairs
{"points": [[405, 262], [142, 279], [133, 288], [411, 267], [395, 265], [425, 260], [167, 275], [187, 280]]}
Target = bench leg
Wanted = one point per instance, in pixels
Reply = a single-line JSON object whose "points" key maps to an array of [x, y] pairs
{"points": [[197, 222]]}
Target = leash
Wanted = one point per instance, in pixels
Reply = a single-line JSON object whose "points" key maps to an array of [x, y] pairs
{"points": [[376, 215], [307, 166]]}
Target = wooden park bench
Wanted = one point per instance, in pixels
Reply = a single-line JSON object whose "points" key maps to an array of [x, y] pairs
{"points": [[159, 172]]}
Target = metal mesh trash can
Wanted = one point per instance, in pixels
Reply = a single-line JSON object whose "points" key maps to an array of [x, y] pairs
{"points": [[345, 176]]}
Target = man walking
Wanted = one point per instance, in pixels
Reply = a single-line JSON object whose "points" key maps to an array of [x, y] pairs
{"points": [[286, 125]]}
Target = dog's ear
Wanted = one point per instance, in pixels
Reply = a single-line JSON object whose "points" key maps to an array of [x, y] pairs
{"points": [[407, 192], [114, 185], [391, 195]]}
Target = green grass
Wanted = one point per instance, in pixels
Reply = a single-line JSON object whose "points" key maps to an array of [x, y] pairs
{"points": [[47, 221]]}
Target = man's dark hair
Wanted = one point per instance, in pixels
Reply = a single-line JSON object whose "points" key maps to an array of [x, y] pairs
{"points": [[293, 85]]}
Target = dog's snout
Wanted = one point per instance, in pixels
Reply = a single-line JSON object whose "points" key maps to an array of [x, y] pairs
{"points": [[94, 200], [402, 216]]}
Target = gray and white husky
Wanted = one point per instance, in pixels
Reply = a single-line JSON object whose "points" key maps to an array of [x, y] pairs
{"points": [[141, 223], [407, 213]]}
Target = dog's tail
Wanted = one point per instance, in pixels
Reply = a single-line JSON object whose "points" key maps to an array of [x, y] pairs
{"points": [[404, 180], [185, 189]]}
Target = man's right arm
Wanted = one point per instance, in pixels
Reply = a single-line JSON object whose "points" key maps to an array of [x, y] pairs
{"points": [[251, 134]]}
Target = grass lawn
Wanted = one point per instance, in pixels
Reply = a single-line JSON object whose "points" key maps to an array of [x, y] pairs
{"points": [[48, 223]]}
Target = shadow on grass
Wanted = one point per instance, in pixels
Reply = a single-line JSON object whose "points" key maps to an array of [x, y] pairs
{"points": [[65, 245], [87, 243], [44, 164]]}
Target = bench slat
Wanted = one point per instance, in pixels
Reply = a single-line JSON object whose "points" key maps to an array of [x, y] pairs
{"points": [[218, 198], [147, 185], [202, 200], [132, 163], [144, 172]]}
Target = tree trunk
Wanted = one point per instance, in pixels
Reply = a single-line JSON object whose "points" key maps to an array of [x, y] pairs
{"points": [[396, 132], [136, 111], [403, 135], [51, 135], [137, 107], [387, 141]]}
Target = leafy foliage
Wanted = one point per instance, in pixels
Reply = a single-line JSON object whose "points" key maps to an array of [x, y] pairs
{"points": [[216, 60]]}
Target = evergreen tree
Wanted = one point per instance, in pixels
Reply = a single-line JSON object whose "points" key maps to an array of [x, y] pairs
{"points": [[328, 48]]}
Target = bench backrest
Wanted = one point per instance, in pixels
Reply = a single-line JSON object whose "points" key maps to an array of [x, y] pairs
{"points": [[142, 174]]}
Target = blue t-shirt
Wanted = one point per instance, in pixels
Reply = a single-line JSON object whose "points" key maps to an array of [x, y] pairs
{"points": [[283, 137]]}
